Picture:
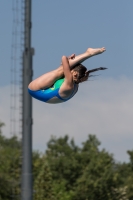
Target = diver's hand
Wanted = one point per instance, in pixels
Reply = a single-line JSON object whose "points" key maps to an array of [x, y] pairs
{"points": [[72, 56]]}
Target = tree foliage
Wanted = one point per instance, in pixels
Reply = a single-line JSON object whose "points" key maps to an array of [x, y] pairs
{"points": [[43, 184], [66, 171], [9, 167]]}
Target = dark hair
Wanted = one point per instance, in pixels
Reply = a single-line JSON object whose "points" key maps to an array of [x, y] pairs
{"points": [[83, 74]]}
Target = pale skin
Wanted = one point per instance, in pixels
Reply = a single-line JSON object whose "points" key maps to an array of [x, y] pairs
{"points": [[67, 63]]}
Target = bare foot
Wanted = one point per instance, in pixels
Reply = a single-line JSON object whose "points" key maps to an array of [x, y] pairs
{"points": [[103, 49], [92, 52]]}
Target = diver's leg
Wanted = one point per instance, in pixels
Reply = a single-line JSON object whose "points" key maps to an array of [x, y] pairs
{"points": [[84, 56], [46, 80]]}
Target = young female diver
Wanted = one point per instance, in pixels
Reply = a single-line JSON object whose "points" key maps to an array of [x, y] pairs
{"points": [[61, 84]]}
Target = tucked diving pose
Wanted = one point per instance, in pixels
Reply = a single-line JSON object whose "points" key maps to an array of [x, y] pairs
{"points": [[62, 84]]}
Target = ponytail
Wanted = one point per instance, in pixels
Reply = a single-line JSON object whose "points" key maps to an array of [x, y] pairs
{"points": [[84, 74]]}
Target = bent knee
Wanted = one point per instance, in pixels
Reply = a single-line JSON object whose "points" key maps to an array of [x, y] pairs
{"points": [[31, 85], [35, 85]]}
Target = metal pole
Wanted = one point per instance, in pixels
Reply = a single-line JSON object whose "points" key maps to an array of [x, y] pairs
{"points": [[26, 181]]}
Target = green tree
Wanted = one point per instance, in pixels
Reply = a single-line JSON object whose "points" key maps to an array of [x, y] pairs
{"points": [[1, 125], [9, 167], [83, 173], [98, 178], [130, 177], [43, 185], [62, 157], [121, 193], [37, 162], [66, 171]]}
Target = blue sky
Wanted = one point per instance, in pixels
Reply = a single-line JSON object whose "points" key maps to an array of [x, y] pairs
{"points": [[66, 27]]}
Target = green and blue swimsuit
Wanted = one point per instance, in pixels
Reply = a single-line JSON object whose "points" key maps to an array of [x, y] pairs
{"points": [[47, 94]]}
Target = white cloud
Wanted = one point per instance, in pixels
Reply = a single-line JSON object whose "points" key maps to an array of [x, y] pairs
{"points": [[101, 107]]}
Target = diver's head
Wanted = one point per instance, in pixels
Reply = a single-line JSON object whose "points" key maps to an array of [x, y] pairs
{"points": [[79, 73]]}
